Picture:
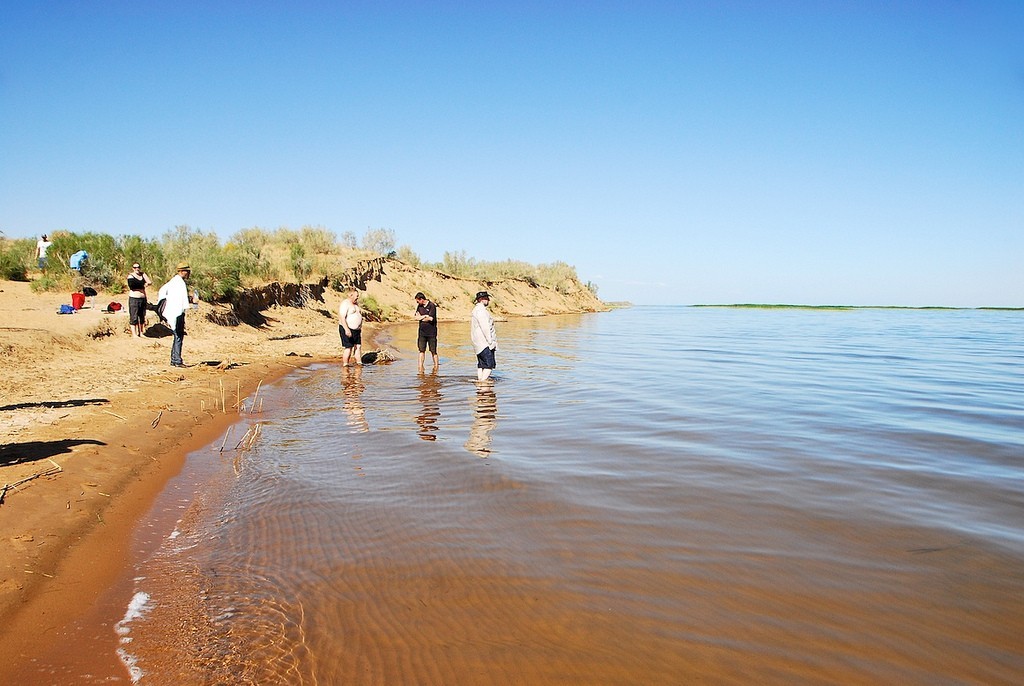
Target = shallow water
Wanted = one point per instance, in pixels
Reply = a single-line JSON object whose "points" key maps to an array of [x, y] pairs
{"points": [[651, 495]]}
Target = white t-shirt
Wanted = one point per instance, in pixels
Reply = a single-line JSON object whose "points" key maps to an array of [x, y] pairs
{"points": [[42, 247], [176, 293]]}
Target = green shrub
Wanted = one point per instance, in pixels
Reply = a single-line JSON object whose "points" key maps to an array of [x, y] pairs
{"points": [[371, 308], [556, 275], [456, 264], [380, 241], [109, 260], [148, 252], [14, 258], [216, 274], [348, 241], [407, 255], [48, 283], [248, 248], [318, 240], [251, 254], [253, 240], [217, 280], [301, 267]]}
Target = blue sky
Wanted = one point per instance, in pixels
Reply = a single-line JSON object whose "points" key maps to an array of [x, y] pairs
{"points": [[674, 152]]}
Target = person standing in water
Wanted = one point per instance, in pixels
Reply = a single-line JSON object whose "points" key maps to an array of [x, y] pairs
{"points": [[426, 313], [350, 327], [485, 340]]}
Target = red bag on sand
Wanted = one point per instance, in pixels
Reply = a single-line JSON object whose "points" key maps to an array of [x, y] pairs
{"points": [[114, 307]]}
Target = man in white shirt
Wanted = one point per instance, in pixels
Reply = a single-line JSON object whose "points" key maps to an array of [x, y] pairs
{"points": [[350, 327], [42, 246], [174, 293]]}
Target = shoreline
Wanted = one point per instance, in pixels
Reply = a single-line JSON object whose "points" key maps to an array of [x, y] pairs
{"points": [[94, 423], [79, 555]]}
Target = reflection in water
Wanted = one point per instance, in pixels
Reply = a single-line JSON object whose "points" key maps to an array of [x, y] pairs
{"points": [[485, 417], [352, 386], [430, 398]]}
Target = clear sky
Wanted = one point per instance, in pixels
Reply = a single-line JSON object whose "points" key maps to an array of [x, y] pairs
{"points": [[858, 152]]}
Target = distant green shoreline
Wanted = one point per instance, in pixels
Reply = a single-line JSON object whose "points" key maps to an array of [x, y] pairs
{"points": [[854, 307]]}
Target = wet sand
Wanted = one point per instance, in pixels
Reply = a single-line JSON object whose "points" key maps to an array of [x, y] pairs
{"points": [[93, 423], [71, 579]]}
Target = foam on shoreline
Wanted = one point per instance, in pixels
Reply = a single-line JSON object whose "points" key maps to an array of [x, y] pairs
{"points": [[137, 608]]}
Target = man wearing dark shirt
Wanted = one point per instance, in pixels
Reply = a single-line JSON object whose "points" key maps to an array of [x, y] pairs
{"points": [[426, 313]]}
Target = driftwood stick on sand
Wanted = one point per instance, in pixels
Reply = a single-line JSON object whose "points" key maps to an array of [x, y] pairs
{"points": [[157, 420], [255, 435], [243, 438], [225, 441], [247, 441], [56, 469], [115, 415], [256, 394]]}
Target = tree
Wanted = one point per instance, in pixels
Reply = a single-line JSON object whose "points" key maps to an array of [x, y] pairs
{"points": [[380, 241], [407, 255]]}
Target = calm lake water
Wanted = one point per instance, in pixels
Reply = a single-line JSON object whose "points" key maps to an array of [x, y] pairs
{"points": [[665, 495]]}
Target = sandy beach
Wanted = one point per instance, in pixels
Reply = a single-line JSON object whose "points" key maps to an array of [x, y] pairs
{"points": [[95, 421]]}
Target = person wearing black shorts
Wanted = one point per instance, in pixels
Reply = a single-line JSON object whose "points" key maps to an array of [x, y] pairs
{"points": [[350, 328], [485, 341], [137, 303], [426, 313]]}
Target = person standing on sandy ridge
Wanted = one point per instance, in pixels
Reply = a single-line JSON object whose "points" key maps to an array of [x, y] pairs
{"points": [[350, 326], [176, 299], [137, 282], [485, 340], [42, 246], [426, 313]]}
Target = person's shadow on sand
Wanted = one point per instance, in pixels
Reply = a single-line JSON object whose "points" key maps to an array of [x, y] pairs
{"points": [[32, 451], [158, 330], [55, 403]]}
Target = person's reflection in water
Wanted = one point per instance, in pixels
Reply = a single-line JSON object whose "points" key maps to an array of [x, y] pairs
{"points": [[485, 417], [430, 398], [352, 388]]}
